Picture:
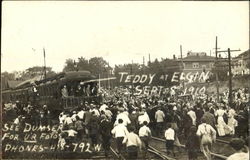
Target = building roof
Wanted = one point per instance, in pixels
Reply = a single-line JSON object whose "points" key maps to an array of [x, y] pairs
{"points": [[198, 58], [244, 55]]}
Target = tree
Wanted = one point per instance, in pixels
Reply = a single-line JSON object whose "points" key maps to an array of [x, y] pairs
{"points": [[134, 68], [36, 71], [82, 64], [8, 76], [69, 65], [98, 65]]}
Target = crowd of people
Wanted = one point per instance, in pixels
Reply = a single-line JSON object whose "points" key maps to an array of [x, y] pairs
{"points": [[132, 120]]}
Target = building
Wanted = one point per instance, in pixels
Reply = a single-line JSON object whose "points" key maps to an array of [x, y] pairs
{"points": [[197, 62], [240, 63]]}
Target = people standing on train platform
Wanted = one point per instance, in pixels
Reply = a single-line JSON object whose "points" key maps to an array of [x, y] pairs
{"points": [[133, 143], [120, 132], [105, 131], [208, 136], [145, 135], [159, 117], [193, 144], [64, 92], [169, 136]]}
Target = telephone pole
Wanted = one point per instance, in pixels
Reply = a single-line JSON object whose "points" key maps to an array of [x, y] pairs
{"points": [[182, 66], [181, 51], [131, 72], [44, 63], [230, 74], [216, 72], [149, 58]]}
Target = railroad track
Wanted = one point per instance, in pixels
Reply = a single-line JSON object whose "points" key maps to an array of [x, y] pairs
{"points": [[222, 141], [117, 155], [159, 153], [151, 150], [218, 156]]}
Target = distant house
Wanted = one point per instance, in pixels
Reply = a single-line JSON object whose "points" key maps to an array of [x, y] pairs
{"points": [[197, 62], [240, 62]]}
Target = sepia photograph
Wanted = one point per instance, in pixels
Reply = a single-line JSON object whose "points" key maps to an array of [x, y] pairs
{"points": [[125, 80]]}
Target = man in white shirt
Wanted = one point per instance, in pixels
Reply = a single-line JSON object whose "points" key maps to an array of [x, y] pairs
{"points": [[159, 117], [124, 117], [120, 132], [145, 135], [95, 110], [68, 122], [192, 115], [169, 135], [80, 114], [143, 116], [103, 107], [73, 117], [133, 142], [108, 113], [62, 117], [71, 135]]}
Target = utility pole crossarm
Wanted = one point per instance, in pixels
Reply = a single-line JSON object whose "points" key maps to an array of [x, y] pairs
{"points": [[216, 72], [230, 50]]}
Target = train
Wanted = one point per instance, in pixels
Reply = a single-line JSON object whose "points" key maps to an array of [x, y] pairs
{"points": [[81, 86]]}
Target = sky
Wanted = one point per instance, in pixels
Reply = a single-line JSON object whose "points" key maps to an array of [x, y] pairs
{"points": [[120, 32]]}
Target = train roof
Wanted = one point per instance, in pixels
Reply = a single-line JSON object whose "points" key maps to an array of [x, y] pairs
{"points": [[69, 76], [62, 77]]}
